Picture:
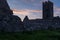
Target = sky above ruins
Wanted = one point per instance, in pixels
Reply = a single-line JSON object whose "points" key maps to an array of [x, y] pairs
{"points": [[31, 8]]}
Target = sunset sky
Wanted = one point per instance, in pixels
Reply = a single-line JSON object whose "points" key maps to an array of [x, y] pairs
{"points": [[31, 8]]}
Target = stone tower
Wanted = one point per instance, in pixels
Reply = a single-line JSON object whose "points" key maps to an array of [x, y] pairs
{"points": [[4, 8], [47, 10]]}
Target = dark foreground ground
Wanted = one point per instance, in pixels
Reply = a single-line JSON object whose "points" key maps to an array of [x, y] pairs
{"points": [[35, 35]]}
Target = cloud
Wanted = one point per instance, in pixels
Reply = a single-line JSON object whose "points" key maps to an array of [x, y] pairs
{"points": [[28, 1], [22, 12], [56, 11], [32, 14], [32, 2], [26, 11]]}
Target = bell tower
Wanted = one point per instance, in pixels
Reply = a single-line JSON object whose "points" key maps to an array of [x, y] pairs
{"points": [[47, 10]]}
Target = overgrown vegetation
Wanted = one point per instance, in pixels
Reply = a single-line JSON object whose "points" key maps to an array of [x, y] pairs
{"points": [[31, 35]]}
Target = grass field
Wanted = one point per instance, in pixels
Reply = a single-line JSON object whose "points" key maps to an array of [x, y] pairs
{"points": [[33, 35]]}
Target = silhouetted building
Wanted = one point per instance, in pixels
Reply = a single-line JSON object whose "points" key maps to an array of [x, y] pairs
{"points": [[4, 8], [12, 23], [51, 23], [8, 21], [47, 10]]}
